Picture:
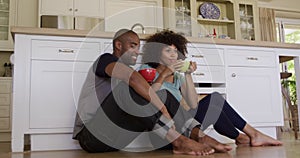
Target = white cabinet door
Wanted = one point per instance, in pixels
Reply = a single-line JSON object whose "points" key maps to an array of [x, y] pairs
{"points": [[56, 7], [91, 8], [55, 88], [255, 94], [125, 13]]}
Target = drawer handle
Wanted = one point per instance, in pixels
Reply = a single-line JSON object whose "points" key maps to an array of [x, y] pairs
{"points": [[198, 56], [233, 75], [70, 9], [199, 74], [252, 58], [66, 51]]}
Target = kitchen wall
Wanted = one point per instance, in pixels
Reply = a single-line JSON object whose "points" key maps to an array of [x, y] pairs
{"points": [[289, 5], [283, 8]]}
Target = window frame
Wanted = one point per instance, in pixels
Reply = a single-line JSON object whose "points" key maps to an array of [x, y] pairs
{"points": [[281, 22]]}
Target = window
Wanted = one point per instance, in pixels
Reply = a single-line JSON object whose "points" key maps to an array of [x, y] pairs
{"points": [[288, 30]]}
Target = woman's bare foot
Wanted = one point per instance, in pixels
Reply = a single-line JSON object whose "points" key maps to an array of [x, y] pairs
{"points": [[184, 145], [260, 139], [199, 136], [214, 144], [242, 139]]}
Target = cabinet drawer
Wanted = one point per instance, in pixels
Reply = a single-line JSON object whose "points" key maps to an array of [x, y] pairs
{"points": [[206, 56], [253, 58], [5, 86], [4, 99], [65, 50], [4, 123], [4, 111], [209, 74]]}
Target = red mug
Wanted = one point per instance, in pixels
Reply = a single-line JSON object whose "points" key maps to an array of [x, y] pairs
{"points": [[148, 74]]}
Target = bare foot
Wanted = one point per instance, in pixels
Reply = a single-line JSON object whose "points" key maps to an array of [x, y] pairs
{"points": [[214, 144], [242, 139], [184, 145], [261, 139]]}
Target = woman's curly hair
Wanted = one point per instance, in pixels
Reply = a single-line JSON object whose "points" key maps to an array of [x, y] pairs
{"points": [[156, 42]]}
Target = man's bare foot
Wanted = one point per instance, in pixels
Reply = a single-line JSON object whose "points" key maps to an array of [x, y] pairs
{"points": [[184, 145], [242, 139], [260, 139], [214, 144]]}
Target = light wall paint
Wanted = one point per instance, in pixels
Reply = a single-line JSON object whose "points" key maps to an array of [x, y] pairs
{"points": [[288, 5]]}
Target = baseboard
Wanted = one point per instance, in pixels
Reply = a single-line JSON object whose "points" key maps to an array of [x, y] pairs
{"points": [[45, 142]]}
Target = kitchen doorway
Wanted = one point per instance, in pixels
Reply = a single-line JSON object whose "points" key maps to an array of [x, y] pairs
{"points": [[288, 31]]}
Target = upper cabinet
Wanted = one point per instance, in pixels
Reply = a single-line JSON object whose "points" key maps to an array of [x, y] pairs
{"points": [[126, 13], [247, 23], [106, 15], [7, 19], [70, 14], [177, 16], [213, 18], [92, 8]]}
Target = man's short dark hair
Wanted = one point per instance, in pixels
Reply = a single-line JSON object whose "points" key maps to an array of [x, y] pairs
{"points": [[118, 35]]}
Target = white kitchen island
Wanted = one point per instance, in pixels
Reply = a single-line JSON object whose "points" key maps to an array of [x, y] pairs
{"points": [[50, 67]]}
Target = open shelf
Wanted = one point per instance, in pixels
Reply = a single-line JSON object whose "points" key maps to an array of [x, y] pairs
{"points": [[215, 21]]}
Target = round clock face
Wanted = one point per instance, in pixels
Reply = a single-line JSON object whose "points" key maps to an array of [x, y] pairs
{"points": [[209, 10]]}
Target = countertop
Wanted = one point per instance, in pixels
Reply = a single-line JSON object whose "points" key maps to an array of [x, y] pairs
{"points": [[100, 34]]}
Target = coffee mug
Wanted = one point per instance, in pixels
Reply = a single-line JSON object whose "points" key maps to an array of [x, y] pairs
{"points": [[185, 66]]}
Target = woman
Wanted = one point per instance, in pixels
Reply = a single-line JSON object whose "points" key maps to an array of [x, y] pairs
{"points": [[165, 51]]}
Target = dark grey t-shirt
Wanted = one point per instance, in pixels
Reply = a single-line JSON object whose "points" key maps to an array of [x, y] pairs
{"points": [[96, 88]]}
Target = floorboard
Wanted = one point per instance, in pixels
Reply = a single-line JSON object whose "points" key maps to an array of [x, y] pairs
{"points": [[290, 149]]}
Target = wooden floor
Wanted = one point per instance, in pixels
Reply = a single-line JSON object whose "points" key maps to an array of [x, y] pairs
{"points": [[290, 149]]}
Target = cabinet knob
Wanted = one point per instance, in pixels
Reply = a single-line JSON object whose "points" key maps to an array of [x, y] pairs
{"points": [[70, 9], [233, 75], [76, 10]]}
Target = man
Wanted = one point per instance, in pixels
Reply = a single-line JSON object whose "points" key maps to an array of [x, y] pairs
{"points": [[117, 104]]}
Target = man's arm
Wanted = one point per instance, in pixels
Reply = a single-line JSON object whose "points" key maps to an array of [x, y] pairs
{"points": [[137, 82]]}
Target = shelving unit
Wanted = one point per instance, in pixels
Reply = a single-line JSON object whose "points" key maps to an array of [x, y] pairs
{"points": [[211, 21], [225, 25], [178, 16], [5, 108], [184, 16], [247, 21], [6, 20]]}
